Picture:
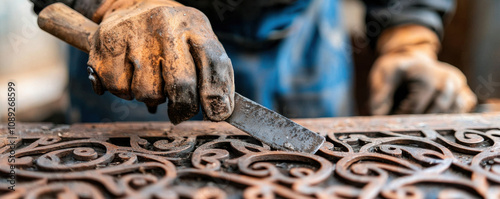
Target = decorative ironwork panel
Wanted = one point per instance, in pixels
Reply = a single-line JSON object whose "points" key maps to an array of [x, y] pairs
{"points": [[443, 156]]}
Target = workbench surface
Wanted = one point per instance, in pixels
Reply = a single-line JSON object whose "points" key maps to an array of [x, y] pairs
{"points": [[422, 156]]}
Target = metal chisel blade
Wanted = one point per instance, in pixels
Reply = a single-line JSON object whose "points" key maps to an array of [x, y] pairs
{"points": [[272, 128]]}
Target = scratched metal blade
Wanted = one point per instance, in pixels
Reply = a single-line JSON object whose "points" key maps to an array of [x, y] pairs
{"points": [[272, 128]]}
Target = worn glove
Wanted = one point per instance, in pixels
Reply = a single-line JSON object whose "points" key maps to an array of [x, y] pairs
{"points": [[408, 57], [153, 49]]}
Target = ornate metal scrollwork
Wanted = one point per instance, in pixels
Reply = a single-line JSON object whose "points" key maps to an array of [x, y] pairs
{"points": [[199, 160]]}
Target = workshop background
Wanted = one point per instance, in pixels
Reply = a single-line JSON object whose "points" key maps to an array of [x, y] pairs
{"points": [[37, 62]]}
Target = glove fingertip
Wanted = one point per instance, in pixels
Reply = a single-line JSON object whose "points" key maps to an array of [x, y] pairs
{"points": [[180, 112], [152, 108], [218, 108], [94, 80]]}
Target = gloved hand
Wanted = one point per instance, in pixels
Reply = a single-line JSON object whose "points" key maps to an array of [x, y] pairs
{"points": [[153, 49], [408, 55]]}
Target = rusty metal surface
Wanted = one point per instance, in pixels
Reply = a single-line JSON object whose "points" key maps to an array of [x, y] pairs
{"points": [[446, 156]]}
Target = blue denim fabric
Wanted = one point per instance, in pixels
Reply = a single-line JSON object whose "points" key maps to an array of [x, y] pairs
{"points": [[307, 74]]}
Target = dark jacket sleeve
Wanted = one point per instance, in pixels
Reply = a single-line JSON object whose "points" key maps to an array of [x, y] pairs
{"points": [[382, 14], [85, 7]]}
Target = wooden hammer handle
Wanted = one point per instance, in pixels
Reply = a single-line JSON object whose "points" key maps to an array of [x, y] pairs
{"points": [[68, 25]]}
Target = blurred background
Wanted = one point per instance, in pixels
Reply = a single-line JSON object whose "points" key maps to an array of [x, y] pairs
{"points": [[37, 62]]}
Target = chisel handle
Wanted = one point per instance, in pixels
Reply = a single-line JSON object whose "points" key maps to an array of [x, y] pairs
{"points": [[68, 25]]}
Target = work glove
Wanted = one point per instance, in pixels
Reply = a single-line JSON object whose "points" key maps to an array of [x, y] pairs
{"points": [[151, 50], [408, 60]]}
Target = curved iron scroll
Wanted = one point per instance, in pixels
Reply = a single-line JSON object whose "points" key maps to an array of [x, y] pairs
{"points": [[210, 160]]}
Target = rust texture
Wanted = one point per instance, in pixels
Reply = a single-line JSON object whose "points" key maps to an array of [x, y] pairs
{"points": [[448, 156]]}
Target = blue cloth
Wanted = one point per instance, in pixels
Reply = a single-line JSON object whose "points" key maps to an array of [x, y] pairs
{"points": [[308, 73]]}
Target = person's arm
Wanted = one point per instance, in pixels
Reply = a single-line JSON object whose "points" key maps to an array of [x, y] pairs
{"points": [[406, 35], [154, 50]]}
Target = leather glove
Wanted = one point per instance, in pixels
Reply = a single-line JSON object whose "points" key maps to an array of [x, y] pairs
{"points": [[408, 55], [151, 50]]}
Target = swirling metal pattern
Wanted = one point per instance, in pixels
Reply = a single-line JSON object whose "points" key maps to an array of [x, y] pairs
{"points": [[402, 159]]}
